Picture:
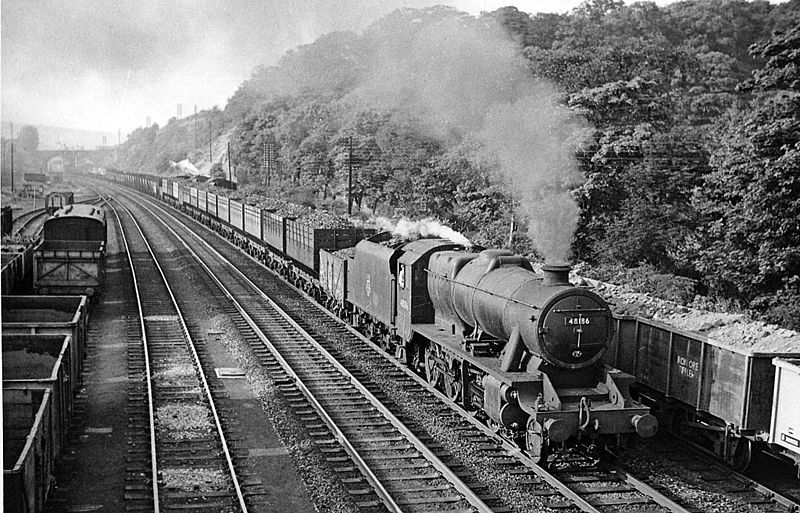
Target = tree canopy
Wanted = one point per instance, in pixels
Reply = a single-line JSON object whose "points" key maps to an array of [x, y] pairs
{"points": [[689, 164]]}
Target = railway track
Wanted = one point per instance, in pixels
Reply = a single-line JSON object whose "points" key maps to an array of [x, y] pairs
{"points": [[190, 464], [572, 486], [695, 458], [117, 307], [390, 467], [30, 224]]}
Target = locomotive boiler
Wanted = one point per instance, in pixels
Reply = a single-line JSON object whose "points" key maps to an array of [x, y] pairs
{"points": [[499, 293]]}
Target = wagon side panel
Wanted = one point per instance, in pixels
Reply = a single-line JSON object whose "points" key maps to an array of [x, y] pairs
{"points": [[236, 214], [252, 220], [333, 274], [222, 209], [785, 428], [725, 376]]}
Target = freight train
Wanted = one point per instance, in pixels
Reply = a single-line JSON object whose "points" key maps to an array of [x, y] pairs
{"points": [[492, 335], [521, 349]]}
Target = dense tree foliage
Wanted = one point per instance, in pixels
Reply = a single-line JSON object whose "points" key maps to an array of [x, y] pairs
{"points": [[750, 246], [690, 167], [153, 148], [28, 139]]}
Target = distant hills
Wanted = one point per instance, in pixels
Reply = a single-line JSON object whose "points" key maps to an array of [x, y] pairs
{"points": [[52, 138]]}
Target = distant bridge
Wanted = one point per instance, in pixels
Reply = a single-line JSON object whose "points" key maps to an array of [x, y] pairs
{"points": [[75, 157]]}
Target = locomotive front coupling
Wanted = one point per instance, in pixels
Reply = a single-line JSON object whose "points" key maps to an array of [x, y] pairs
{"points": [[545, 414]]}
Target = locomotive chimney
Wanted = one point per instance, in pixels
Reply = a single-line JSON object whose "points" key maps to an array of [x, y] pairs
{"points": [[556, 275]]}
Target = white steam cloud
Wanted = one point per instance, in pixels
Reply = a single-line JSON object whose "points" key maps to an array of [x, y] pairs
{"points": [[464, 76], [407, 229]]}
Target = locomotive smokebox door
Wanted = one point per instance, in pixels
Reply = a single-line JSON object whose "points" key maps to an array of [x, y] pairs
{"points": [[575, 330]]}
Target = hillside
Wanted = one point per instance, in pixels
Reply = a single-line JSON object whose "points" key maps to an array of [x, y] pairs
{"points": [[646, 137]]}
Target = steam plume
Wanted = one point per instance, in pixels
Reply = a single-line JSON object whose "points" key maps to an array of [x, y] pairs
{"points": [[464, 76], [407, 229]]}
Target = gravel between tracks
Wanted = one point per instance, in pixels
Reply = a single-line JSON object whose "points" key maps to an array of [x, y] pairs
{"points": [[511, 489], [325, 491], [190, 479], [184, 421], [687, 484]]}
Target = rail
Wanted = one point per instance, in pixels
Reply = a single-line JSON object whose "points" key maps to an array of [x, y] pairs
{"points": [[146, 343]]}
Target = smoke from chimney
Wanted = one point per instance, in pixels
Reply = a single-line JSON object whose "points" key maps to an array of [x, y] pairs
{"points": [[463, 77]]}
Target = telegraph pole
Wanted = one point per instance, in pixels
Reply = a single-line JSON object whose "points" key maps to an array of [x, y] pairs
{"points": [[195, 125], [229, 162], [210, 157], [12, 167], [11, 141], [350, 179], [267, 177]]}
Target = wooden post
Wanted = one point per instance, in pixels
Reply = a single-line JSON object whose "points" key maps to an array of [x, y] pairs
{"points": [[229, 162], [350, 179]]}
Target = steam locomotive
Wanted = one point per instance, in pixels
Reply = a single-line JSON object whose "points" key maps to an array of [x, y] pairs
{"points": [[521, 349]]}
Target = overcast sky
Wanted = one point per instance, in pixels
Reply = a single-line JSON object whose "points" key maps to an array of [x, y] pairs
{"points": [[103, 65]]}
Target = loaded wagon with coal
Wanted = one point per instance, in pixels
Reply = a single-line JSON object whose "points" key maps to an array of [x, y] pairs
{"points": [[719, 394], [37, 411], [50, 315]]}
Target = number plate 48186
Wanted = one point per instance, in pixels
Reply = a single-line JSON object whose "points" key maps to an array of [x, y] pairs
{"points": [[576, 321]]}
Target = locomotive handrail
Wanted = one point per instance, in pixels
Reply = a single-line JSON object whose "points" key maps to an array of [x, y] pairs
{"points": [[445, 278]]}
